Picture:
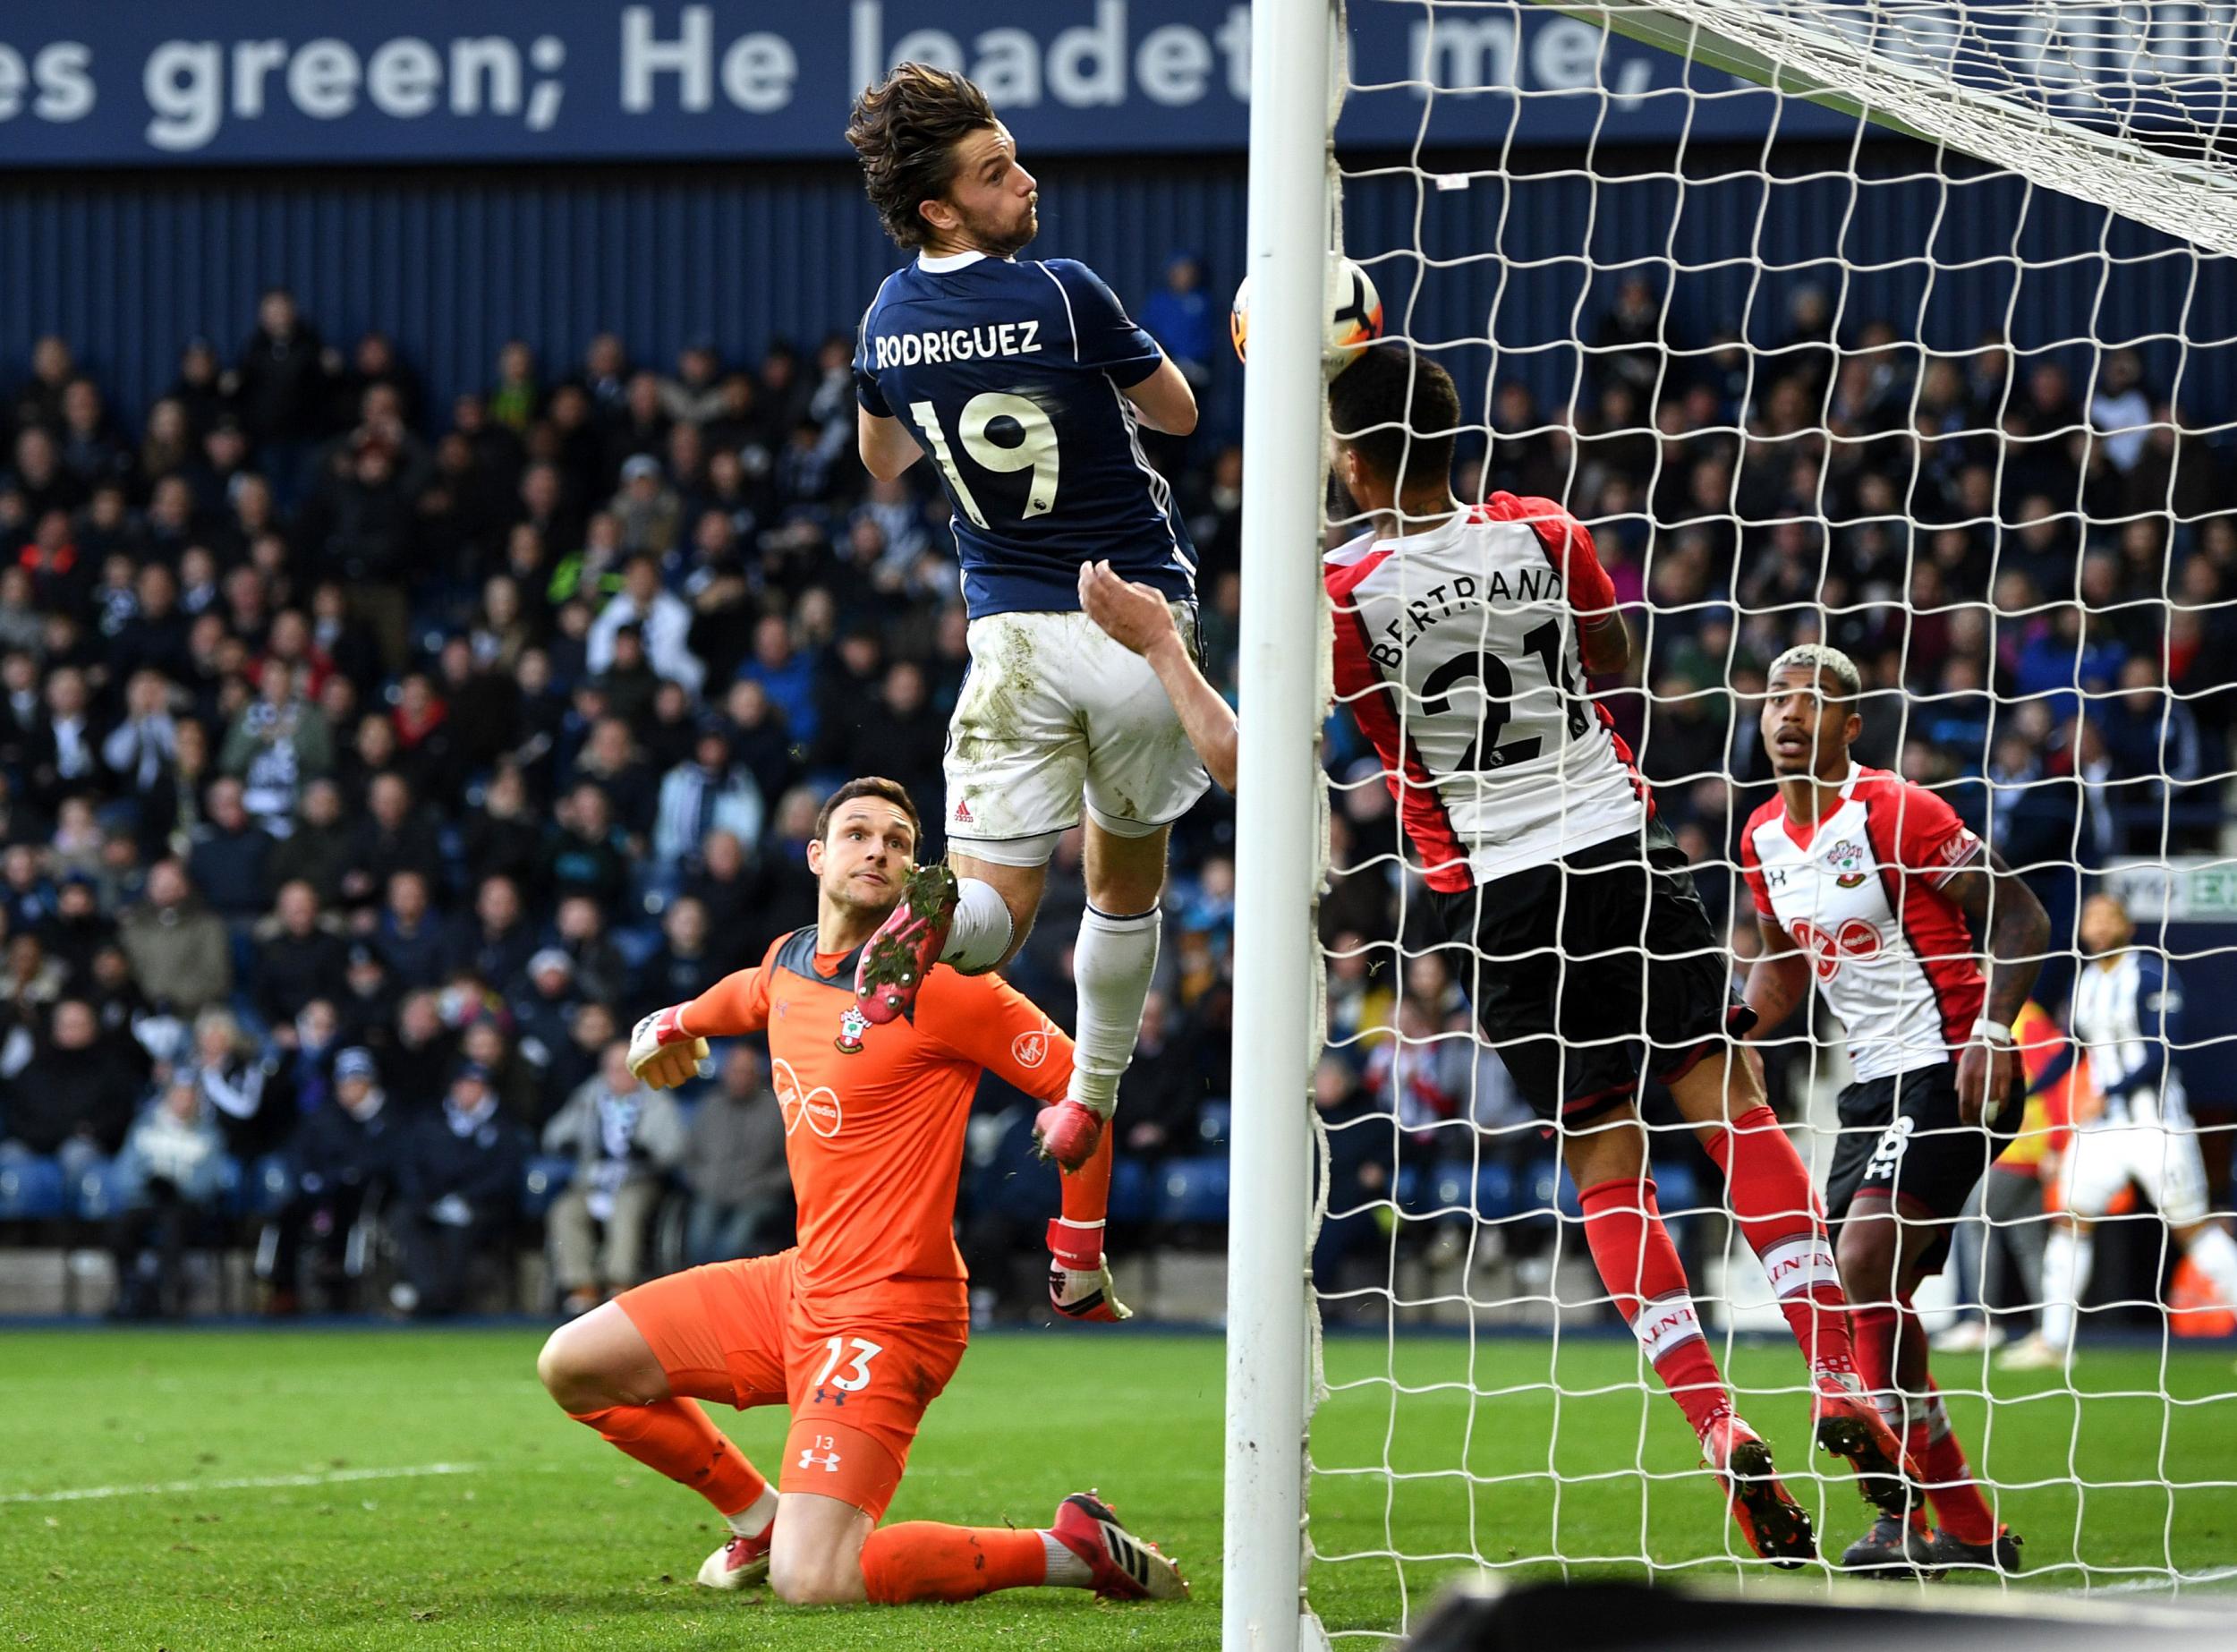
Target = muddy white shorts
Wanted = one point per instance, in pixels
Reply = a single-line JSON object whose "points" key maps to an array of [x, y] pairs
{"points": [[1055, 716]]}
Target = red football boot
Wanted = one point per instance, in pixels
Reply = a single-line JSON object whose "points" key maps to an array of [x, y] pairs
{"points": [[743, 1562], [907, 944], [1076, 1265], [1123, 1566], [1848, 1425], [1773, 1522], [1068, 1133]]}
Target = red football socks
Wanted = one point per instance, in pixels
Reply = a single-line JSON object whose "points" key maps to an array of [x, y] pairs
{"points": [[676, 1437], [919, 1560], [1639, 1266], [1777, 1210], [1075, 1238]]}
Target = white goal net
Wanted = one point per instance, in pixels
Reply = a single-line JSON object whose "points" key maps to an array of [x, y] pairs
{"points": [[1948, 388]]}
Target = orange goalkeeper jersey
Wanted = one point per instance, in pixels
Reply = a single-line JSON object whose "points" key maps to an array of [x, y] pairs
{"points": [[874, 1116]]}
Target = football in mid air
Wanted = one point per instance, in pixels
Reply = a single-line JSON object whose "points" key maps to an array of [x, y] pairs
{"points": [[1355, 314]]}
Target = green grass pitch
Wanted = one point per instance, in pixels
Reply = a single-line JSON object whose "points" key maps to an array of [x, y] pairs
{"points": [[249, 1500]]}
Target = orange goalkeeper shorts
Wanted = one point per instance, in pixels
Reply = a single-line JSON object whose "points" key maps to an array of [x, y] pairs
{"points": [[857, 1386]]}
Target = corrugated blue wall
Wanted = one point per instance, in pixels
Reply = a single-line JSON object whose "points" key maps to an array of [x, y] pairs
{"points": [[455, 261]]}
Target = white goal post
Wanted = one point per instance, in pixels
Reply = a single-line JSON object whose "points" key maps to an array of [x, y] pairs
{"points": [[1282, 681]]}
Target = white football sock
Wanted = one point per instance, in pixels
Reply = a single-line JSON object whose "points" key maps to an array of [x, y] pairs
{"points": [[753, 1520], [1111, 965], [1066, 1570], [2216, 1254], [2067, 1257], [982, 929]]}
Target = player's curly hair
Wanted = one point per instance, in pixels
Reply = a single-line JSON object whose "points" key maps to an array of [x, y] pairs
{"points": [[906, 132], [867, 786], [1398, 411]]}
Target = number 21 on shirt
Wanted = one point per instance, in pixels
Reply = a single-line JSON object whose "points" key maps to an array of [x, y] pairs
{"points": [[1035, 449]]}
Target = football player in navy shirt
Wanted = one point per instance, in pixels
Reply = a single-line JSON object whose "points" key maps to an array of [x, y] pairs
{"points": [[1025, 382]]}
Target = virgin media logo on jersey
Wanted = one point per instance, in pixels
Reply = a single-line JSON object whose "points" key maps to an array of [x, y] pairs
{"points": [[819, 1106], [1851, 938]]}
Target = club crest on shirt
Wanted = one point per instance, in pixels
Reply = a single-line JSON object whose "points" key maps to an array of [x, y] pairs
{"points": [[853, 1025], [1030, 1049], [1847, 860]]}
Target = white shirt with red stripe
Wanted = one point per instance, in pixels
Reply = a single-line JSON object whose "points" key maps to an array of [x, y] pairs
{"points": [[1457, 653], [1862, 895]]}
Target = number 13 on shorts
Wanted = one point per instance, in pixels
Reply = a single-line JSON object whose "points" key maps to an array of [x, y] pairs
{"points": [[856, 1352]]}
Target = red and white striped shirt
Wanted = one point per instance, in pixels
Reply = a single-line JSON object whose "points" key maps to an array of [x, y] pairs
{"points": [[1862, 895], [1457, 653]]}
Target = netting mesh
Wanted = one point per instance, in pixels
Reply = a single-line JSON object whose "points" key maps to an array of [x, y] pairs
{"points": [[1804, 383]]}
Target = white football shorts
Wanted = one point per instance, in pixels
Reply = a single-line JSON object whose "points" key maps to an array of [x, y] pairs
{"points": [[2162, 1159], [1055, 716]]}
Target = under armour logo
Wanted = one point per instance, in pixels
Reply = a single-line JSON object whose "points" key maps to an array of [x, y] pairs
{"points": [[832, 1398], [810, 1458]]}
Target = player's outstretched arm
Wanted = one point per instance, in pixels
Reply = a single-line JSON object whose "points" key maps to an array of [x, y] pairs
{"points": [[886, 447], [1138, 616], [667, 1047], [1164, 401], [2016, 931]]}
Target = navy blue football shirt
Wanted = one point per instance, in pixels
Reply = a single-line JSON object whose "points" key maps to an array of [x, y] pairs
{"points": [[1010, 375]]}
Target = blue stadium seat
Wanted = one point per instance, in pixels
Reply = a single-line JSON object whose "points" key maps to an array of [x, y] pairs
{"points": [[548, 1177], [1213, 1119], [104, 1191], [1491, 1196], [1129, 1189], [1193, 1190], [269, 1184], [31, 1190]]}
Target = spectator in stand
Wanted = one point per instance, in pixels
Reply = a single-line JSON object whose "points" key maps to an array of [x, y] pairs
{"points": [[300, 955], [708, 793], [408, 935], [685, 965], [280, 388], [661, 617], [231, 858], [625, 1139], [174, 1163], [494, 941], [234, 1079], [394, 837], [342, 1157], [588, 855], [180, 955], [1163, 1089], [459, 1181], [75, 1098], [733, 1163]]}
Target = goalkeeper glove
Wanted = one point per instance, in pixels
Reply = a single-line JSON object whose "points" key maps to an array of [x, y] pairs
{"points": [[662, 1053]]}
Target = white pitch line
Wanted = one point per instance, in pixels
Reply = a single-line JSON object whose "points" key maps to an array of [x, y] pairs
{"points": [[333, 1476], [2167, 1585]]}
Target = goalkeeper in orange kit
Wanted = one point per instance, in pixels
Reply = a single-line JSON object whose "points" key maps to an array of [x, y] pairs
{"points": [[860, 1326]]}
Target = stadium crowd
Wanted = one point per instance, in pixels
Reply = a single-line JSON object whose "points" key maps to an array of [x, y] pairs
{"points": [[367, 767]]}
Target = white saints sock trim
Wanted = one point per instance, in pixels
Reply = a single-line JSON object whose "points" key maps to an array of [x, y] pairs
{"points": [[753, 1520], [1666, 1322], [982, 929], [1795, 1265], [1064, 1568]]}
